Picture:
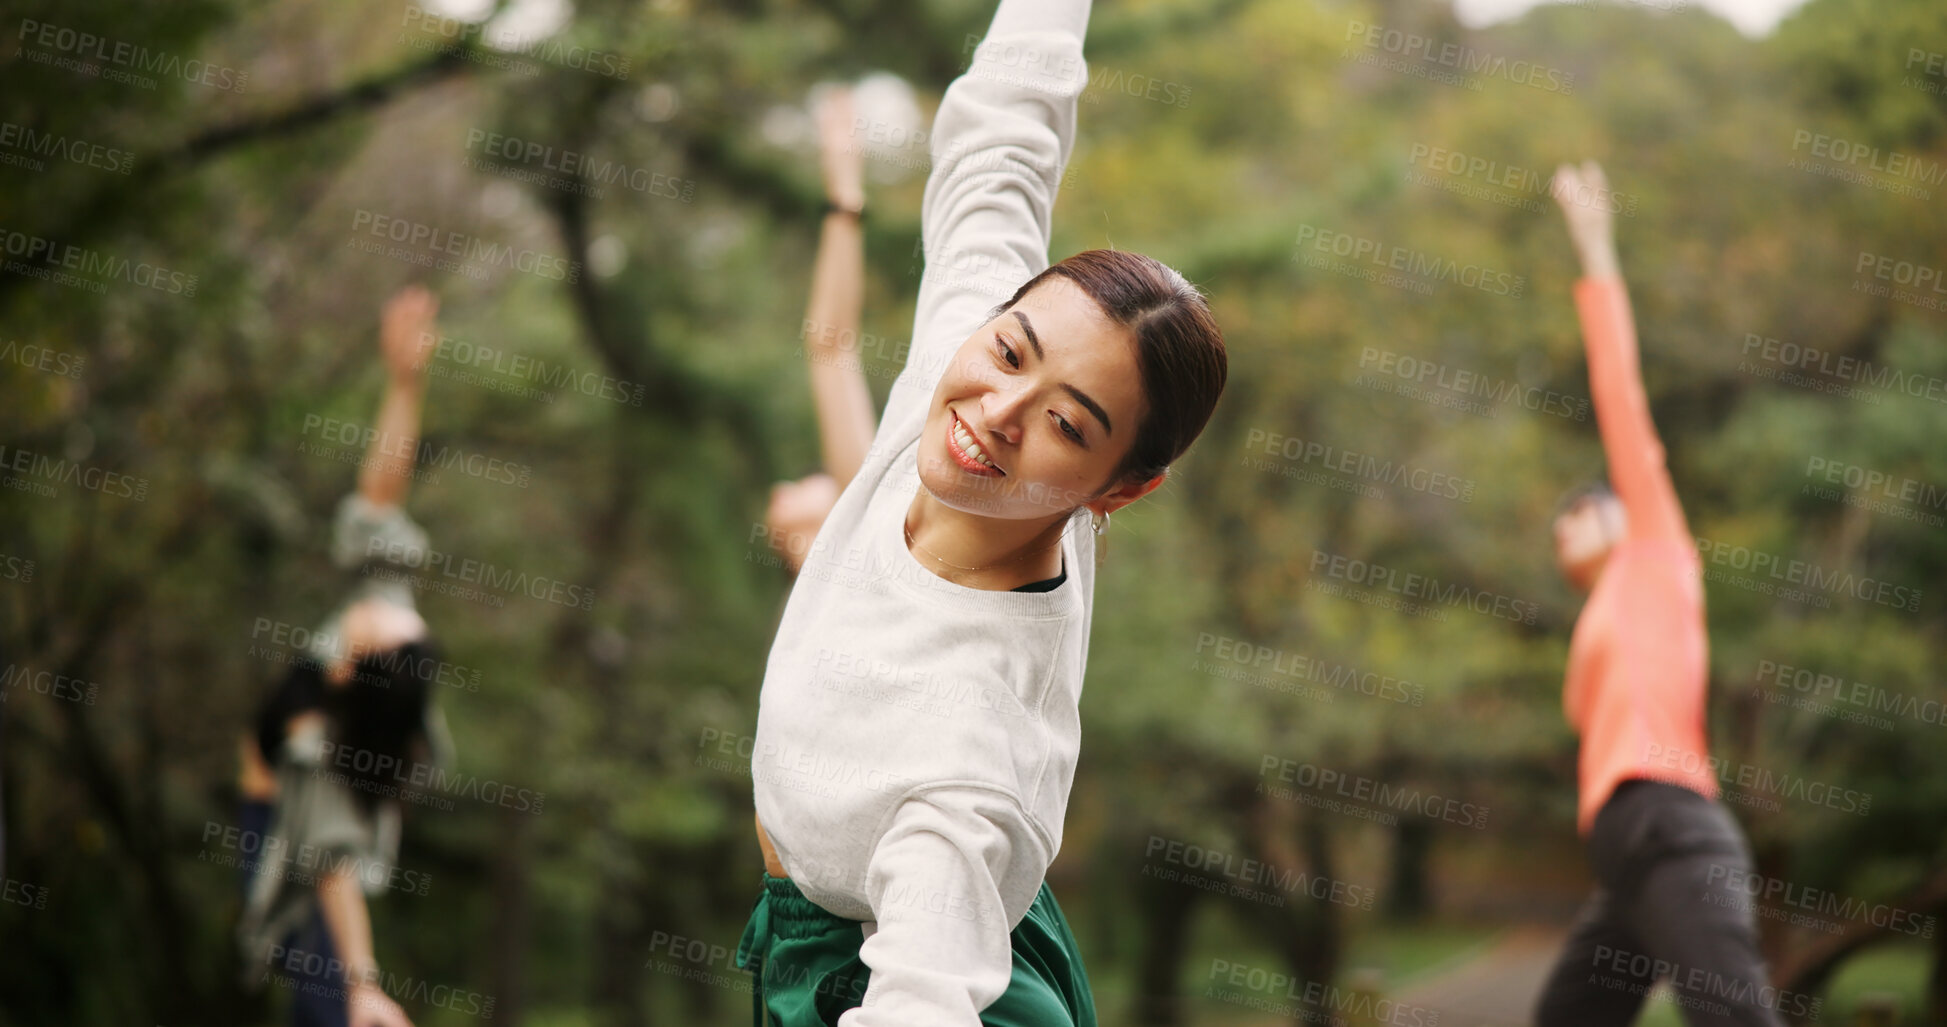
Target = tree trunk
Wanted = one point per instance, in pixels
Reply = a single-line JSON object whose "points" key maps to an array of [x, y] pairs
{"points": [[1165, 910], [1936, 1011], [1408, 896], [1304, 930], [512, 919]]}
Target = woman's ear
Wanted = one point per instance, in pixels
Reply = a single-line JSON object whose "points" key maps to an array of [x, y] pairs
{"points": [[1122, 495]]}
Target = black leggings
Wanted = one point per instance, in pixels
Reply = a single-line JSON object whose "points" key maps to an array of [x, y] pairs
{"points": [[1665, 906]]}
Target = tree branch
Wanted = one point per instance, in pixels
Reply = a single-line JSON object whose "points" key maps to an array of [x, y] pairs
{"points": [[113, 202], [1807, 970]]}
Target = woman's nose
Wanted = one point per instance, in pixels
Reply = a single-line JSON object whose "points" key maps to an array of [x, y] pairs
{"points": [[1003, 407]]}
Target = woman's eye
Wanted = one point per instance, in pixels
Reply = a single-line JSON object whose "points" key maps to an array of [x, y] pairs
{"points": [[1007, 352], [1068, 429]]}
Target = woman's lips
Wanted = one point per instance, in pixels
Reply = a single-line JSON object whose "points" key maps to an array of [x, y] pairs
{"points": [[955, 430]]}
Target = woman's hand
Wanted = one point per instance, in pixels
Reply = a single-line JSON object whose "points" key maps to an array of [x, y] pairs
{"points": [[369, 1006], [1584, 196], [406, 332], [796, 512], [839, 155], [407, 337]]}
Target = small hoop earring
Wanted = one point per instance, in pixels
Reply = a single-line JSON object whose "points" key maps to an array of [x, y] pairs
{"points": [[1100, 522]]}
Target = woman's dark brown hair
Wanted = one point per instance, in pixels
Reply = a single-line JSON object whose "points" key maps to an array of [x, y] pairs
{"points": [[1179, 350], [380, 717]]}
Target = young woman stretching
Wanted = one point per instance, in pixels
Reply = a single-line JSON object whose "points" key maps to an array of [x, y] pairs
{"points": [[918, 728], [1664, 853], [360, 698]]}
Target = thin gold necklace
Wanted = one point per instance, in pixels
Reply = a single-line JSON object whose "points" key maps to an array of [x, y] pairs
{"points": [[914, 543]]}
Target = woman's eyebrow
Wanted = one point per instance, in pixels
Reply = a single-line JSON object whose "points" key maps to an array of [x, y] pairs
{"points": [[1093, 407], [1028, 328]]}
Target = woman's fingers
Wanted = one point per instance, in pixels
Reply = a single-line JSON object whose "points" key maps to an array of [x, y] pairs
{"points": [[405, 328], [1592, 174], [834, 117], [412, 303], [843, 163], [1567, 180]]}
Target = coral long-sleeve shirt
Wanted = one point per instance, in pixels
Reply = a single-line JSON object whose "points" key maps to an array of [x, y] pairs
{"points": [[1638, 672]]}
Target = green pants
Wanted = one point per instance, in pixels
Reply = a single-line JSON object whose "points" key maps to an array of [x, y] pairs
{"points": [[808, 968]]}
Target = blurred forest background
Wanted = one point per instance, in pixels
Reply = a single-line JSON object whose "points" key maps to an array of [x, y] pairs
{"points": [[614, 900]]}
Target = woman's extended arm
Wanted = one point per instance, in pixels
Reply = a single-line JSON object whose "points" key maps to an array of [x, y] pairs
{"points": [[406, 336], [956, 869], [343, 902], [1000, 145], [831, 322], [1622, 411]]}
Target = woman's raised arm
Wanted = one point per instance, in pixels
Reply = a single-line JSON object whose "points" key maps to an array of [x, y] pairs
{"points": [[1622, 410], [1000, 146], [831, 325], [406, 336]]}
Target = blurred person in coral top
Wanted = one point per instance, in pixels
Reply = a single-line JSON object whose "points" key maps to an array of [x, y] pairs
{"points": [[1665, 853]]}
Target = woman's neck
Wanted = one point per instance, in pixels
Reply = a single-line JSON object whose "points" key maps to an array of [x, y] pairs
{"points": [[988, 553]]}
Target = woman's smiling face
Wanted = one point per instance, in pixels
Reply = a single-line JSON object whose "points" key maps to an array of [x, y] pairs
{"points": [[1036, 411]]}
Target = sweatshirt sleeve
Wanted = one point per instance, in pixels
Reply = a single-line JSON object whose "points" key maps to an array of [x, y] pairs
{"points": [[1000, 143], [1622, 412], [957, 870]]}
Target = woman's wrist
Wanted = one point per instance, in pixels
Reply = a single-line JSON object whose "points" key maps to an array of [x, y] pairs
{"points": [[854, 209], [411, 376], [1599, 261]]}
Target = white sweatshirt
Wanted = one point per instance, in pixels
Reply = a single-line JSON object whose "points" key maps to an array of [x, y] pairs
{"points": [[916, 739]]}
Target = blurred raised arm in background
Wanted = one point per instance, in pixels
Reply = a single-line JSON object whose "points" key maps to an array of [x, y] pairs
{"points": [[833, 354]]}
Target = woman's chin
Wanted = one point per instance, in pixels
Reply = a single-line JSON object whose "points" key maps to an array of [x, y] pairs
{"points": [[961, 491]]}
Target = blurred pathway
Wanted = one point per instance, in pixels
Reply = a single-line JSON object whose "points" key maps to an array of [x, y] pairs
{"points": [[1495, 987]]}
